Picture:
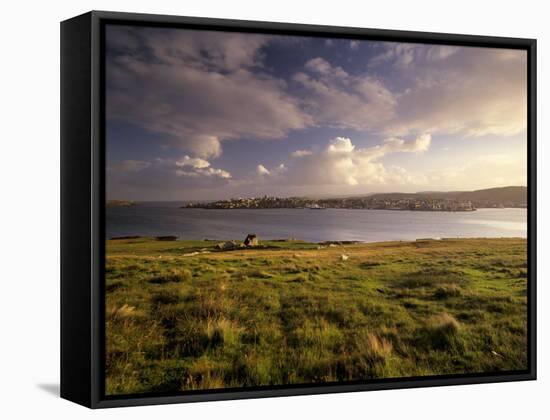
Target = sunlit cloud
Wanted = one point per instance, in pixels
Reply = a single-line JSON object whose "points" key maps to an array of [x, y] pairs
{"points": [[262, 170], [301, 153], [340, 162], [196, 94]]}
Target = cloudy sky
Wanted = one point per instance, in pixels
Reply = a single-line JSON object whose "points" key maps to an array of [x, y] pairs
{"points": [[200, 115]]}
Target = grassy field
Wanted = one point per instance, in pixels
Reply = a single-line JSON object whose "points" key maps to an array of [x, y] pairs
{"points": [[179, 318]]}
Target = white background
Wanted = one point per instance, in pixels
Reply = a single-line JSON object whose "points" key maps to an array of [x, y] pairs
{"points": [[29, 174]]}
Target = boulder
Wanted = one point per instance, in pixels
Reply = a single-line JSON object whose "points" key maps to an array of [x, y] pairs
{"points": [[166, 238], [227, 246]]}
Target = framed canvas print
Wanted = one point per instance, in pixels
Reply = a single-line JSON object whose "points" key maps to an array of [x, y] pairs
{"points": [[257, 209]]}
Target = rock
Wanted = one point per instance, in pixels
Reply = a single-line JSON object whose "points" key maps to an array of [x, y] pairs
{"points": [[166, 238], [192, 254], [345, 257], [125, 237], [251, 240], [227, 246]]}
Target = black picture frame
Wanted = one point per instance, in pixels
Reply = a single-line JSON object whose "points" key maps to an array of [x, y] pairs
{"points": [[83, 204]]}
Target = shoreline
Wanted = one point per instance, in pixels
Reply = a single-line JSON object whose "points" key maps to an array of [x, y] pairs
{"points": [[324, 242], [341, 208], [150, 204]]}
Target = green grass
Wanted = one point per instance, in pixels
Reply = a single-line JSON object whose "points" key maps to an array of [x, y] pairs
{"points": [[180, 316]]}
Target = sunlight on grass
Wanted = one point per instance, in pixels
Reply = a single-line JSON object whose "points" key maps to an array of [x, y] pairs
{"points": [[295, 313]]}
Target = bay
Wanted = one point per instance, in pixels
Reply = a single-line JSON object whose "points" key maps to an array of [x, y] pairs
{"points": [[167, 218]]}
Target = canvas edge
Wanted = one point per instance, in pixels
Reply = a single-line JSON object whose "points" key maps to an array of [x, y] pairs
{"points": [[76, 187]]}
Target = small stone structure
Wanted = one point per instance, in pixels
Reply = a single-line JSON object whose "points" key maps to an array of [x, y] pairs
{"points": [[251, 240]]}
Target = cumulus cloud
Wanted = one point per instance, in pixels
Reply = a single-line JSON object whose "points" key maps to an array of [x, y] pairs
{"points": [[197, 163], [165, 171], [197, 167], [301, 153], [340, 162], [208, 172], [340, 145], [262, 170], [197, 88]]}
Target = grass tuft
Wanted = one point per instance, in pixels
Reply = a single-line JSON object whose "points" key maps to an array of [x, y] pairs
{"points": [[442, 333], [175, 276], [447, 291]]}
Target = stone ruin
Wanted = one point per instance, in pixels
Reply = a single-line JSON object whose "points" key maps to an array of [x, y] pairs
{"points": [[251, 240]]}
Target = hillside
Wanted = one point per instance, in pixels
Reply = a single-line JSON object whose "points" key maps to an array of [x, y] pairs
{"points": [[120, 203], [503, 195], [514, 194]]}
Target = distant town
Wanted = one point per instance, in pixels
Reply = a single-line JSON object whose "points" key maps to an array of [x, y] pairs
{"points": [[502, 197], [430, 201], [266, 202]]}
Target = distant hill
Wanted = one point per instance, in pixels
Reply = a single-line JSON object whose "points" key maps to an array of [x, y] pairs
{"points": [[120, 203], [514, 194], [503, 195]]}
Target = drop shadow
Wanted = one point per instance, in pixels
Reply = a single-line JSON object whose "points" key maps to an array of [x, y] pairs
{"points": [[52, 389]]}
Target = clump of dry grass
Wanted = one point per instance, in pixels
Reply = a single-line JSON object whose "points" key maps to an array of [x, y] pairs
{"points": [[372, 356], [447, 291], [446, 322], [318, 334], [443, 331], [124, 312], [374, 348], [432, 277], [222, 331], [203, 374], [174, 276], [165, 297]]}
